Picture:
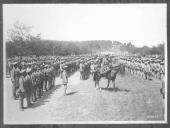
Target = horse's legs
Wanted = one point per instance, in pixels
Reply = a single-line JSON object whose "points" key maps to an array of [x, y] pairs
{"points": [[108, 83], [95, 84], [98, 85], [113, 81]]}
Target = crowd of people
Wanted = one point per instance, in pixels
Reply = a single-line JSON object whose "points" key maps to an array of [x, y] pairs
{"points": [[33, 76], [148, 68]]}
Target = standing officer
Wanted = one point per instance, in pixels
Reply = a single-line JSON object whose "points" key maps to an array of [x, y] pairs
{"points": [[64, 78]]}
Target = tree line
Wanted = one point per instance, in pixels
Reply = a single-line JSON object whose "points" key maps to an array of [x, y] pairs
{"points": [[145, 50], [59, 48], [21, 42]]}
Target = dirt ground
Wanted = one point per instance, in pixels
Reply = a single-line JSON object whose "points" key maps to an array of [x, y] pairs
{"points": [[134, 99]]}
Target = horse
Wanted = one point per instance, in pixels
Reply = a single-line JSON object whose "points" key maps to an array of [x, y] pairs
{"points": [[109, 75]]}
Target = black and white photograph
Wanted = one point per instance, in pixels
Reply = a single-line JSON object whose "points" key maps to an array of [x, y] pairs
{"points": [[85, 63]]}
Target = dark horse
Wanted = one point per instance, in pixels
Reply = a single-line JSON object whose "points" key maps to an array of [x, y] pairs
{"points": [[110, 75]]}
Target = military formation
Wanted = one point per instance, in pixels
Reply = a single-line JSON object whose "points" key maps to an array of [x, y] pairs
{"points": [[147, 68], [32, 77]]}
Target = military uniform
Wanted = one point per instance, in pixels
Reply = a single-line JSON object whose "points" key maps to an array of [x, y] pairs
{"points": [[15, 74], [21, 90], [13, 83], [81, 71], [33, 78], [28, 88], [41, 78], [45, 79], [64, 78]]}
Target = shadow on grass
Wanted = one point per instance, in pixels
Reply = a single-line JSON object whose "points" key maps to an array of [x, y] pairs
{"points": [[72, 93], [47, 95], [116, 89]]}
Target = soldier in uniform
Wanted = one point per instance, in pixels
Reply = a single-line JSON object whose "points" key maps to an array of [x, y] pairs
{"points": [[49, 77], [157, 68], [28, 85], [33, 78], [64, 78], [81, 70], [53, 72], [41, 78], [146, 71], [21, 90], [149, 71], [162, 70], [92, 67], [15, 73], [45, 78]]}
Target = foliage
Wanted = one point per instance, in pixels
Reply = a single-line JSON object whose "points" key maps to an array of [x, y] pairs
{"points": [[22, 43], [145, 50]]}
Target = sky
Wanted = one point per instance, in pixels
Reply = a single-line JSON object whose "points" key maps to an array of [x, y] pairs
{"points": [[140, 24]]}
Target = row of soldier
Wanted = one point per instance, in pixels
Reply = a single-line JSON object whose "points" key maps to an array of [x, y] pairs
{"points": [[148, 68], [31, 83], [31, 79], [39, 73]]}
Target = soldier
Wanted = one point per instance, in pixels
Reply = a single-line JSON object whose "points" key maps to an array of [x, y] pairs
{"points": [[157, 68], [15, 73], [49, 77], [162, 90], [92, 67], [146, 71], [45, 78], [81, 70], [149, 70], [40, 83], [28, 87], [13, 80], [64, 78], [162, 70], [21, 90], [53, 72], [33, 79]]}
